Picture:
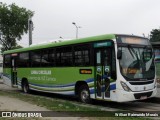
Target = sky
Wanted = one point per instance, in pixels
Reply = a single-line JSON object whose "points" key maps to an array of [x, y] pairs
{"points": [[53, 18]]}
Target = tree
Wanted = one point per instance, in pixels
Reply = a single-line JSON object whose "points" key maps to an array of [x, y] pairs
{"points": [[16, 46], [13, 24], [155, 35]]}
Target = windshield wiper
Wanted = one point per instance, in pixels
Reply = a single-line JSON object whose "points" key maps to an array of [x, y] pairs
{"points": [[132, 51], [142, 63]]}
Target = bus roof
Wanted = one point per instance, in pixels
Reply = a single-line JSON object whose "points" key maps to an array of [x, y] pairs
{"points": [[68, 42]]}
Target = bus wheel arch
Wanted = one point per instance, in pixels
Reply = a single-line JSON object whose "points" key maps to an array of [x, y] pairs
{"points": [[25, 85], [82, 91]]}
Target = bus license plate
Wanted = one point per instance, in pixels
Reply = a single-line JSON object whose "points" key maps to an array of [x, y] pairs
{"points": [[143, 97]]}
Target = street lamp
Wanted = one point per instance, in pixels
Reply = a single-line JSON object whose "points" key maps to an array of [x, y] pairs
{"points": [[76, 29]]}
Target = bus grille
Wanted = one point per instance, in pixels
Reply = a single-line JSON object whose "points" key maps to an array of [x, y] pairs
{"points": [[142, 82], [139, 95]]}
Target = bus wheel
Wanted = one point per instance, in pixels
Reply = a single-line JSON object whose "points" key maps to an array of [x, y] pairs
{"points": [[84, 95], [25, 87]]}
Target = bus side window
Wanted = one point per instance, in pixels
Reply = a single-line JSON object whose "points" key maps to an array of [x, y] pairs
{"points": [[23, 60], [36, 58], [47, 58], [7, 61], [52, 57], [82, 55], [64, 56]]}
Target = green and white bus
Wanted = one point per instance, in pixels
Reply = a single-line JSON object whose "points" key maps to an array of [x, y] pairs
{"points": [[109, 67]]}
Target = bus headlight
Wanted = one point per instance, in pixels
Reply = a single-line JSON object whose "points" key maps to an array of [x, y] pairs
{"points": [[125, 87]]}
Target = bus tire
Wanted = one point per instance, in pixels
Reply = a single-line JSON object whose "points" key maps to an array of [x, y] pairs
{"points": [[25, 87], [83, 94]]}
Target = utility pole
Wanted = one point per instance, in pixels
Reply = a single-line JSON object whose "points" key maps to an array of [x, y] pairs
{"points": [[0, 37], [1, 43], [30, 28]]}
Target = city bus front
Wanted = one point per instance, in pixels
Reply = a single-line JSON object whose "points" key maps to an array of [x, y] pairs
{"points": [[135, 69]]}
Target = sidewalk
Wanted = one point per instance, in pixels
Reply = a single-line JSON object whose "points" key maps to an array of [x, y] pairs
{"points": [[1, 81], [5, 87]]}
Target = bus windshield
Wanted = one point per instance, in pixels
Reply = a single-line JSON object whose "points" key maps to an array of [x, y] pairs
{"points": [[137, 61]]}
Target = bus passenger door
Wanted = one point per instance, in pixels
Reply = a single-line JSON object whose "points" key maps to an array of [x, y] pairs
{"points": [[102, 69], [14, 70]]}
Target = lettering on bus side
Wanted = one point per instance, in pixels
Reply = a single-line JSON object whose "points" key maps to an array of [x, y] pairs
{"points": [[85, 71], [41, 72], [40, 78]]}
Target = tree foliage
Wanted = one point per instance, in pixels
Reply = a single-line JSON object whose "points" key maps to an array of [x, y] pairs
{"points": [[155, 35], [13, 24]]}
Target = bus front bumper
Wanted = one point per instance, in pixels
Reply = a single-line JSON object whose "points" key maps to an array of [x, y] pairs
{"points": [[124, 96]]}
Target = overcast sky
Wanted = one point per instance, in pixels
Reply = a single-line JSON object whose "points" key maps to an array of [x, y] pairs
{"points": [[53, 18]]}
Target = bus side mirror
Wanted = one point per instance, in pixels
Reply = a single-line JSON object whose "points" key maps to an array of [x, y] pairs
{"points": [[119, 54]]}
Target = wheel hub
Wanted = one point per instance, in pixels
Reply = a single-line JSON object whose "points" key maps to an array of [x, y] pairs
{"points": [[84, 95]]}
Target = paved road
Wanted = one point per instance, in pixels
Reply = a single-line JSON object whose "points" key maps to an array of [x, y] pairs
{"points": [[9, 88], [134, 106], [158, 91]]}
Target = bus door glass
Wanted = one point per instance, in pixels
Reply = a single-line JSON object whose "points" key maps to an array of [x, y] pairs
{"points": [[102, 71], [14, 69]]}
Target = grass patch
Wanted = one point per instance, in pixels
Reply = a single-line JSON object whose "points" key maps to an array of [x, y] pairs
{"points": [[49, 103], [68, 107]]}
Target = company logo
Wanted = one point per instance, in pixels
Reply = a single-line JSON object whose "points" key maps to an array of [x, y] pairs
{"points": [[21, 114], [6, 114]]}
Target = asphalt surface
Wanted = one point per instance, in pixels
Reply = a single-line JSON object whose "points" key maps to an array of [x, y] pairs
{"points": [[152, 104], [158, 91], [5, 87]]}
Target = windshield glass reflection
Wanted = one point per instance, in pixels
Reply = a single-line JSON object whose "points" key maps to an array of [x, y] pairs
{"points": [[137, 63]]}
